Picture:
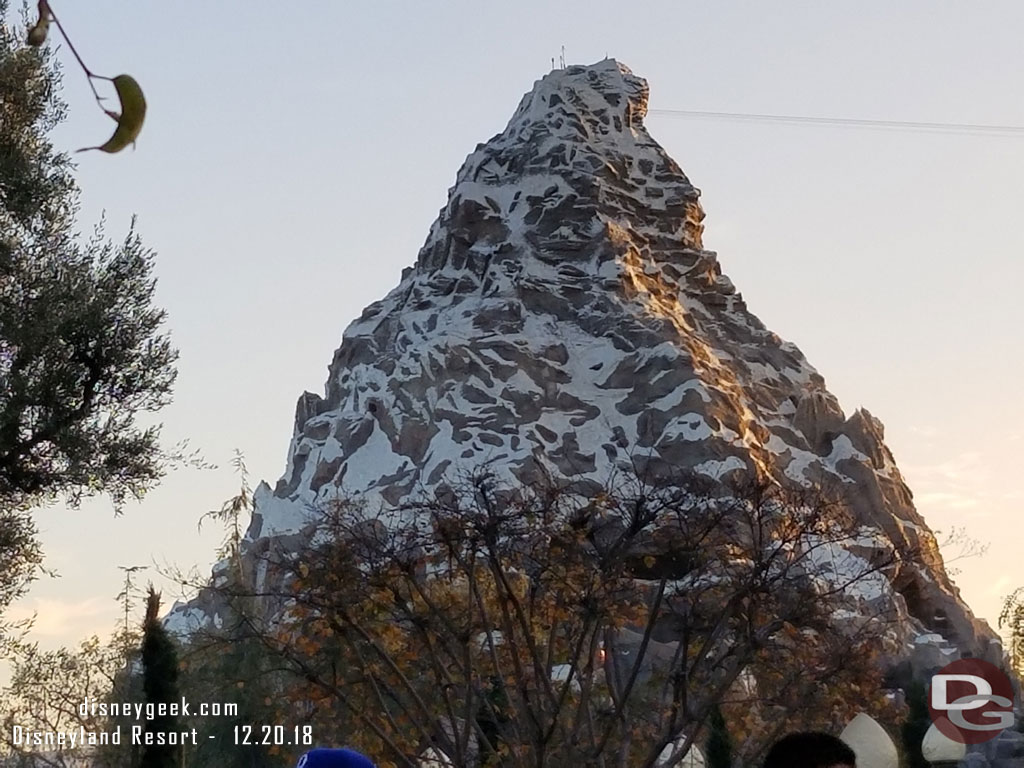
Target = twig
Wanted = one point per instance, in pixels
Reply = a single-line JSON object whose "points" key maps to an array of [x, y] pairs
{"points": [[89, 74]]}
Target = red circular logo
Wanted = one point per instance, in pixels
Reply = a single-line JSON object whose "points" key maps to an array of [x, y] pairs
{"points": [[971, 701]]}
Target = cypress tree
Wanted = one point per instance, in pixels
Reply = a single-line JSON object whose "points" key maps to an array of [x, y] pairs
{"points": [[916, 725], [160, 684], [719, 750]]}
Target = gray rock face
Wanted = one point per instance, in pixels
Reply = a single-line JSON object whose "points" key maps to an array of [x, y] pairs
{"points": [[563, 313], [1006, 750]]}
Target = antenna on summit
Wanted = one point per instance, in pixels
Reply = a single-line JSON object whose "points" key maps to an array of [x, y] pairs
{"points": [[561, 59]]}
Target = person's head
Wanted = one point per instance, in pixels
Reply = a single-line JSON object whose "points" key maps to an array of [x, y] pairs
{"points": [[334, 758], [810, 749]]}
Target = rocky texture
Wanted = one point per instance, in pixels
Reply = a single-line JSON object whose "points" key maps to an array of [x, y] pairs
{"points": [[1006, 750], [564, 313]]}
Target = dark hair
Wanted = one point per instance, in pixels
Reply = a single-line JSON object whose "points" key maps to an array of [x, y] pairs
{"points": [[809, 749]]}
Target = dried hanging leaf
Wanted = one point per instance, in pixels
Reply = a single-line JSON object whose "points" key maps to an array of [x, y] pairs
{"points": [[37, 35], [129, 122]]}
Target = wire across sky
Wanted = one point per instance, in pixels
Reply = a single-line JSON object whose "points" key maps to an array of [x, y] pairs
{"points": [[905, 125]]}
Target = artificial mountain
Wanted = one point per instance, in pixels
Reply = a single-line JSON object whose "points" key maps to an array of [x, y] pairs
{"points": [[564, 314]]}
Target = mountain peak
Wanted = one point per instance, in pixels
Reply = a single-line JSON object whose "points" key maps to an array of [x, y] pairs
{"points": [[607, 94], [574, 166]]}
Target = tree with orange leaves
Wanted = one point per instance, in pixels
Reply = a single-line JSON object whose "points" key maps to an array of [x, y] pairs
{"points": [[555, 625]]}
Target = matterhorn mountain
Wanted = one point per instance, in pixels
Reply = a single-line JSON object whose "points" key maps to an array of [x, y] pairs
{"points": [[563, 315]]}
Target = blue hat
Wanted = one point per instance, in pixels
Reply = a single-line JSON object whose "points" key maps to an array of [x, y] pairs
{"points": [[334, 758]]}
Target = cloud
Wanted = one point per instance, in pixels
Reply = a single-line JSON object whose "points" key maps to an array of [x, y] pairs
{"points": [[64, 618], [1001, 586], [945, 500], [969, 465], [960, 482]]}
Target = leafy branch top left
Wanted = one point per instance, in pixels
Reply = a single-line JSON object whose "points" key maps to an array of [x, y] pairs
{"points": [[133, 104]]}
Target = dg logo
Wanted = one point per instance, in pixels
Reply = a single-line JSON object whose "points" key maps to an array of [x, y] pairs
{"points": [[971, 701]]}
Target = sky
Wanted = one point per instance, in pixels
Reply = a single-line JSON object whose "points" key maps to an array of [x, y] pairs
{"points": [[294, 156]]}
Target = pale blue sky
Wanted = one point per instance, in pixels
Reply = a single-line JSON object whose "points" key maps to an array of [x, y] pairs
{"points": [[294, 157]]}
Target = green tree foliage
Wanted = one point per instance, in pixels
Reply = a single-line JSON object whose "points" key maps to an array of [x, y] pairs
{"points": [[37, 192], [33, 179], [82, 355], [160, 684], [20, 560], [81, 349], [719, 748], [916, 725]]}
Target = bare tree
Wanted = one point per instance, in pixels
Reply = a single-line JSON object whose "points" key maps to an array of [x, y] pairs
{"points": [[1011, 618], [47, 694], [67, 689], [556, 625]]}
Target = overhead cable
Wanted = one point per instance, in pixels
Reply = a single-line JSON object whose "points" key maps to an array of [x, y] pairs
{"points": [[977, 128]]}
